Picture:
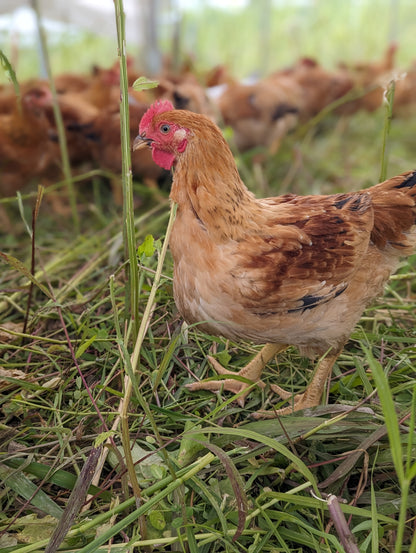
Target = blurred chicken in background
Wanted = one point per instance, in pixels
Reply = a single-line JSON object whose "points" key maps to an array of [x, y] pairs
{"points": [[260, 112]]}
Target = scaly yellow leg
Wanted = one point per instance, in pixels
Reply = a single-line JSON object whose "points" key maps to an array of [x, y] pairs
{"points": [[252, 372], [311, 397]]}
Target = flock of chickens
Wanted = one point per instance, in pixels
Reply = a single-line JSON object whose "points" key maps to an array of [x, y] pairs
{"points": [[260, 113]]}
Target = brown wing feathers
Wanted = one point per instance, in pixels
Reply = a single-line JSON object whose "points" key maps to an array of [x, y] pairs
{"points": [[394, 204]]}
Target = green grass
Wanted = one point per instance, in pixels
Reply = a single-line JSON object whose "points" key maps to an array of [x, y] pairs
{"points": [[201, 476]]}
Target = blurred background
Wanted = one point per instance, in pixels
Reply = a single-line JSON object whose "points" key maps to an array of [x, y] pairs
{"points": [[252, 37], [297, 86]]}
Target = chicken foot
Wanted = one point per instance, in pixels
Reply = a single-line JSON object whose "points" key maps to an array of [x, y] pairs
{"points": [[313, 393], [252, 371]]}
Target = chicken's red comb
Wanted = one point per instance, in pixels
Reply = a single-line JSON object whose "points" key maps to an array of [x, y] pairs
{"points": [[155, 109]]}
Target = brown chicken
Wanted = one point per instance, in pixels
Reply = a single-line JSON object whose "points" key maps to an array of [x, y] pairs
{"points": [[260, 114], [291, 270], [404, 95], [185, 94], [106, 149], [26, 151], [78, 116], [370, 79], [316, 88]]}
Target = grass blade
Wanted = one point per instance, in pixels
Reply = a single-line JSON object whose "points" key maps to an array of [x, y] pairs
{"points": [[119, 526], [66, 165], [237, 485], [20, 484], [132, 300], [274, 444], [61, 478], [389, 413], [18, 265], [75, 501]]}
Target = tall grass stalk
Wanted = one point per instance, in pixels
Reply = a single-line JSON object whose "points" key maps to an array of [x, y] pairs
{"points": [[132, 289], [66, 166], [132, 299]]}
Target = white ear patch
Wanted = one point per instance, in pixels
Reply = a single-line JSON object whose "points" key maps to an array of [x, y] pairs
{"points": [[180, 135]]}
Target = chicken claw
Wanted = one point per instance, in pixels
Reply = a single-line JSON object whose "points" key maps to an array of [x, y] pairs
{"points": [[251, 372], [310, 397]]}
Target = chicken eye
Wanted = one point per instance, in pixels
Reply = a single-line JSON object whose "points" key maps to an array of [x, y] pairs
{"points": [[164, 128]]}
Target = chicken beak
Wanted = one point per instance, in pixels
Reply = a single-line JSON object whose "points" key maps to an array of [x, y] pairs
{"points": [[141, 142]]}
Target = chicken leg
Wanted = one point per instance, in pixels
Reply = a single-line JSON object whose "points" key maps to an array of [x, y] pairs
{"points": [[252, 372], [309, 398], [313, 393]]}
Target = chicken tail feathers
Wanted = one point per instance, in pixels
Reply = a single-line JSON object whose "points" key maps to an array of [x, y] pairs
{"points": [[394, 204]]}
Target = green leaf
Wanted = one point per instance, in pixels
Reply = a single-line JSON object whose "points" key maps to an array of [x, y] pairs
{"points": [[84, 346], [7, 66], [374, 523], [147, 247], [143, 83], [158, 471], [224, 358], [389, 412], [190, 447], [101, 438], [61, 478], [145, 461], [35, 529], [157, 520], [18, 265], [21, 485]]}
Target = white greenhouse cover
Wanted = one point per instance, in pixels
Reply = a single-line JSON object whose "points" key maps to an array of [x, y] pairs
{"points": [[97, 16]]}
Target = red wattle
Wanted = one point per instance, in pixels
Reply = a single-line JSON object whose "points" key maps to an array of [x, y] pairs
{"points": [[163, 159]]}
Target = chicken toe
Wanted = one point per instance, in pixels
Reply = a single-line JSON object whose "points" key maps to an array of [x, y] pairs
{"points": [[252, 372], [311, 396]]}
